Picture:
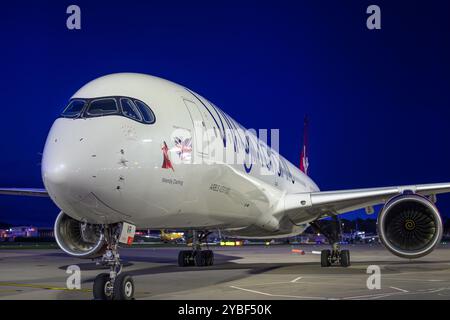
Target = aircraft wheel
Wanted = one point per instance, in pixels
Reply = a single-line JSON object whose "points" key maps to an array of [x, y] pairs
{"points": [[345, 258], [209, 257], [124, 287], [325, 258], [102, 288], [200, 258], [184, 258]]}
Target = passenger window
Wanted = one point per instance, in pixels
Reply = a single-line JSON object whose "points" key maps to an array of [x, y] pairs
{"points": [[101, 107], [146, 112], [129, 109], [74, 108]]}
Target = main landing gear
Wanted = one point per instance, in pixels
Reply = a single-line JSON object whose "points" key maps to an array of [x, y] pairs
{"points": [[333, 234], [196, 257], [335, 256], [114, 285]]}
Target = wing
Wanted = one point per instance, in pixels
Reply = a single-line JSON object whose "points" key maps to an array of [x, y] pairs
{"points": [[32, 192], [302, 206]]}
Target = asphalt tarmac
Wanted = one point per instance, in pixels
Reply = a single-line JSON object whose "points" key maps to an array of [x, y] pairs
{"points": [[247, 272]]}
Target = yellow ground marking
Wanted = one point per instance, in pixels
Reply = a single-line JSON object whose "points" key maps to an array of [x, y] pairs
{"points": [[40, 286]]}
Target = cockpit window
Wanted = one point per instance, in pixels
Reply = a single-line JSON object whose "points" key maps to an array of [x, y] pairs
{"points": [[74, 108], [129, 109], [146, 112], [102, 107]]}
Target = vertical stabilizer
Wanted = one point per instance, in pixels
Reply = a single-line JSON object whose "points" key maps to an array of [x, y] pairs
{"points": [[304, 161]]}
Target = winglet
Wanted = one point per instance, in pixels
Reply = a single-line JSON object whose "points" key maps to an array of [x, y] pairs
{"points": [[304, 161]]}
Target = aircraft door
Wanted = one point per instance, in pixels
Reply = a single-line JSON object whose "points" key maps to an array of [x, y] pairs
{"points": [[201, 147]]}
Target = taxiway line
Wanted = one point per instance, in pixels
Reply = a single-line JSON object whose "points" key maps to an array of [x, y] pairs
{"points": [[40, 286], [277, 295]]}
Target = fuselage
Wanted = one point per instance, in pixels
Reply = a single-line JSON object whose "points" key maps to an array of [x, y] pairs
{"points": [[167, 174]]}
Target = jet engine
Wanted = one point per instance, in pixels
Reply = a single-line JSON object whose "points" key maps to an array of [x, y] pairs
{"points": [[78, 239], [410, 226]]}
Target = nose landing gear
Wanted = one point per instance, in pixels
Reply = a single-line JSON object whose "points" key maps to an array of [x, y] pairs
{"points": [[196, 257], [333, 235], [114, 285]]}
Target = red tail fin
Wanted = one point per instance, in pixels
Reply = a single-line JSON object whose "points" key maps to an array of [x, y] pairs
{"points": [[304, 163]]}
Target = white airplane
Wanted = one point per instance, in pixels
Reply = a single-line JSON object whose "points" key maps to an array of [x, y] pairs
{"points": [[132, 150]]}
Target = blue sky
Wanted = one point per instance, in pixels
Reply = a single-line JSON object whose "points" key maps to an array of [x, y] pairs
{"points": [[378, 101]]}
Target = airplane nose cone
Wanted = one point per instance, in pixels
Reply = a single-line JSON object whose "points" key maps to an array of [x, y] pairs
{"points": [[65, 166], [83, 169], [56, 174], [62, 175]]}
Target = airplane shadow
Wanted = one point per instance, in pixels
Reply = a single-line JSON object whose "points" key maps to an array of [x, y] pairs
{"points": [[229, 262], [166, 263]]}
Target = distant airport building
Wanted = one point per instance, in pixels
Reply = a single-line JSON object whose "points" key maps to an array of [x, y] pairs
{"points": [[23, 232]]}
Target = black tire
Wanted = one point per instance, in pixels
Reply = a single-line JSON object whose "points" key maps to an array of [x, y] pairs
{"points": [[183, 258], [99, 287], [209, 257], [200, 258], [325, 258], [345, 258], [124, 287]]}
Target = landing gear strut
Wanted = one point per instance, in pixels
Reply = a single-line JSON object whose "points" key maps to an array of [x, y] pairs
{"points": [[196, 257], [114, 285], [333, 235]]}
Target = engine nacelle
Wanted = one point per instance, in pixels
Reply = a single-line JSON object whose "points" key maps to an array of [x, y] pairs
{"points": [[410, 226], [78, 239]]}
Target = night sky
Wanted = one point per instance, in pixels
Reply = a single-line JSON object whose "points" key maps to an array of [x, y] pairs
{"points": [[378, 100]]}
